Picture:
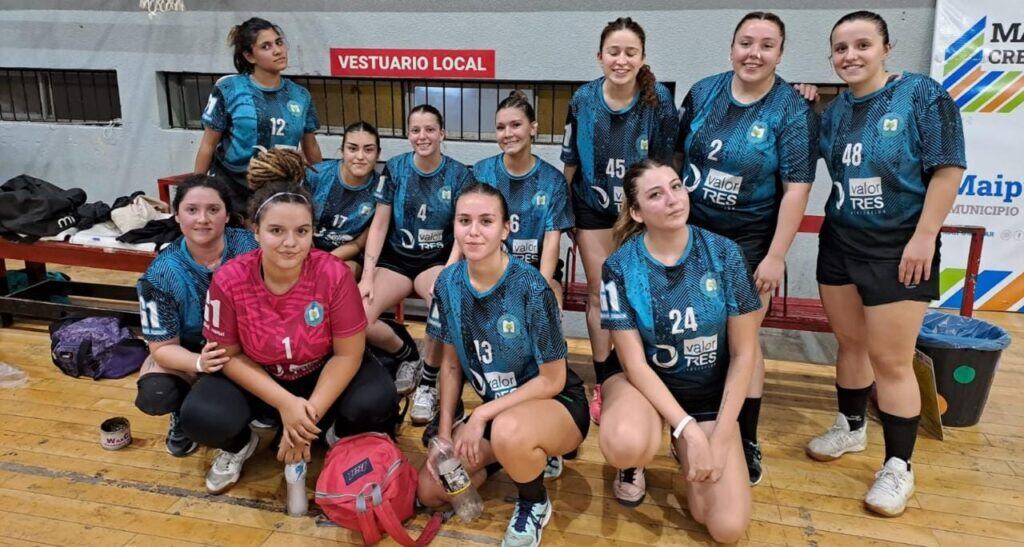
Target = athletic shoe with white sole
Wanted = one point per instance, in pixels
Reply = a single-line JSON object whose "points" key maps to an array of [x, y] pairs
{"points": [[527, 524], [424, 405], [227, 466], [838, 440], [408, 376], [630, 486], [894, 484], [554, 468], [178, 444]]}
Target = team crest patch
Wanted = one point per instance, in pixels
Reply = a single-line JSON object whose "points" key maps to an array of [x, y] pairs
{"points": [[294, 108], [641, 144], [314, 314], [365, 209], [891, 124], [540, 199], [710, 283], [758, 132], [509, 326], [445, 193]]}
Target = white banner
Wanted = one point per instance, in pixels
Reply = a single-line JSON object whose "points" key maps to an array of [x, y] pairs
{"points": [[978, 56]]}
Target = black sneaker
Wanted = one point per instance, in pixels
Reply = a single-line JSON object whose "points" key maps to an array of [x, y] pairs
{"points": [[178, 445], [430, 431], [752, 453]]}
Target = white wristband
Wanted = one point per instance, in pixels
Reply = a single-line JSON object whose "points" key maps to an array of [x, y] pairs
{"points": [[199, 363], [682, 425]]}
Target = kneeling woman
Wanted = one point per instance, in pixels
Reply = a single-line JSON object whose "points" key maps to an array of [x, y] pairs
{"points": [[501, 326], [682, 312], [291, 321], [171, 297]]}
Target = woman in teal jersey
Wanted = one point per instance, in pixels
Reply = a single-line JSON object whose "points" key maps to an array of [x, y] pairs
{"points": [[683, 314], [747, 151], [343, 198], [894, 146], [255, 108]]}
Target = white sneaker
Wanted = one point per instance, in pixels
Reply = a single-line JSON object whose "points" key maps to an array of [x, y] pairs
{"points": [[894, 484], [424, 405], [227, 466], [408, 376], [838, 440]]}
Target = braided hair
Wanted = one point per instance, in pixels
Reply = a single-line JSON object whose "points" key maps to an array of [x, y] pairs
{"points": [[276, 165]]}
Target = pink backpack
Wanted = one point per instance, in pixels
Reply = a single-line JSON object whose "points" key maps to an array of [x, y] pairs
{"points": [[368, 485]]}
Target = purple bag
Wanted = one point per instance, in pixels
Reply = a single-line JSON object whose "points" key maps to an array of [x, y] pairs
{"points": [[97, 347]]}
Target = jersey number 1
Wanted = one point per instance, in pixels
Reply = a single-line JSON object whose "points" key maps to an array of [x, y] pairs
{"points": [[287, 341]]}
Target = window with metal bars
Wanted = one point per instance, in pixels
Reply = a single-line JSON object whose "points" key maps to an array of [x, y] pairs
{"points": [[467, 106], [59, 96]]}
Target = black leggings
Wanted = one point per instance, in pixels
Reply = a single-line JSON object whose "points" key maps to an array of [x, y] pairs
{"points": [[161, 393], [217, 411]]}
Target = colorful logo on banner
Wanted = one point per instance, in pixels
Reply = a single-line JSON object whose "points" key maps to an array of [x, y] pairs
{"points": [[998, 290], [972, 87]]}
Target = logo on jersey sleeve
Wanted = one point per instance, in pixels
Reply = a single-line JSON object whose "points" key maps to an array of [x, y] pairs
{"points": [[501, 383], [701, 352], [866, 194], [722, 188], [642, 144], [540, 199], [891, 124], [294, 108], [445, 193], [314, 314], [758, 132], [709, 284], [509, 326]]}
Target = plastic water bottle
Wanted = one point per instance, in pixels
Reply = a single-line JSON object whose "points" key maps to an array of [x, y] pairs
{"points": [[295, 476], [456, 482]]}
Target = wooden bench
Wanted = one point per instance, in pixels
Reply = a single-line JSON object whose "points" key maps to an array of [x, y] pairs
{"points": [[801, 313], [36, 299]]}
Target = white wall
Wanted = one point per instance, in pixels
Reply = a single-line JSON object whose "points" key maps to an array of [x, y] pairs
{"points": [[533, 40]]}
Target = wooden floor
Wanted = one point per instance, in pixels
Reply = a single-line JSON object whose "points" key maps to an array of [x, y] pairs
{"points": [[58, 487]]}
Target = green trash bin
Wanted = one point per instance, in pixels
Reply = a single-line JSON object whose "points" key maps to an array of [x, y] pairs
{"points": [[965, 355]]}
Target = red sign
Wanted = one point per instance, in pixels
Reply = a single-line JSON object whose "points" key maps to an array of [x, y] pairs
{"points": [[413, 63]]}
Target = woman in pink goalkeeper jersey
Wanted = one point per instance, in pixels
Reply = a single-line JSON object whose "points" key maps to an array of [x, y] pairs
{"points": [[292, 321]]}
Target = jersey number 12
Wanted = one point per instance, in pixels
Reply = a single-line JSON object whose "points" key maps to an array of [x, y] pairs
{"points": [[277, 127]]}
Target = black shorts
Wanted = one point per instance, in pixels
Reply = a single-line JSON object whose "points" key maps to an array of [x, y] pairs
{"points": [[702, 407], [588, 218], [237, 186], [754, 246], [411, 266], [573, 398], [877, 281], [559, 270]]}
